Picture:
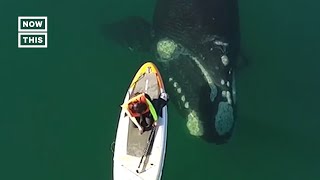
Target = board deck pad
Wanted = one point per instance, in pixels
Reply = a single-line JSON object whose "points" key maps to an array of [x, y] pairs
{"points": [[137, 143]]}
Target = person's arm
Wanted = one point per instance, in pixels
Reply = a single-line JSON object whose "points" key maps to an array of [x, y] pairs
{"points": [[133, 119]]}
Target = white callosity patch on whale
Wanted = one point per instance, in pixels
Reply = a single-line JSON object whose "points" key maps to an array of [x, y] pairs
{"points": [[220, 43], [208, 78], [183, 98], [179, 91], [234, 88], [217, 41], [225, 60], [194, 124], [166, 48], [175, 84], [186, 105], [228, 96], [224, 119]]}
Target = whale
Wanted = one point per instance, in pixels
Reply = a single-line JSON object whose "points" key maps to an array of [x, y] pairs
{"points": [[195, 43]]}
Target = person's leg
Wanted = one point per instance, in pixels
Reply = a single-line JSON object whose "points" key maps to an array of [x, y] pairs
{"points": [[143, 123], [158, 105], [148, 121]]}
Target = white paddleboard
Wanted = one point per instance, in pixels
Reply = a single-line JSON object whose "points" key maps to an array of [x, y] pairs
{"points": [[130, 145]]}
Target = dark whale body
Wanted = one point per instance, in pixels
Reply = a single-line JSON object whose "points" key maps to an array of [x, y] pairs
{"points": [[200, 83]]}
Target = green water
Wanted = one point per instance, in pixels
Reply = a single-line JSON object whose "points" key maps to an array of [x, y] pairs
{"points": [[59, 106]]}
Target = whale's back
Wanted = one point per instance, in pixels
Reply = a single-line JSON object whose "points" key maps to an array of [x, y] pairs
{"points": [[192, 20]]}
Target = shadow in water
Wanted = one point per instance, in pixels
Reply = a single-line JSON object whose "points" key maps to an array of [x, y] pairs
{"points": [[132, 32]]}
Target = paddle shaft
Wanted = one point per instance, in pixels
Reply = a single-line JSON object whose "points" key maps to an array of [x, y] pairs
{"points": [[146, 150]]}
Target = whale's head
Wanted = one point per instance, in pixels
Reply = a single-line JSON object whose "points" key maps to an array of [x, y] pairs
{"points": [[201, 84], [195, 49]]}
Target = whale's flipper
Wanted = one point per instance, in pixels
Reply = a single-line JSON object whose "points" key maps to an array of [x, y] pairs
{"points": [[133, 32]]}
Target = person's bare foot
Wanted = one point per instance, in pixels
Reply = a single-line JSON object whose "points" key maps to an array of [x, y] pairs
{"points": [[154, 124], [164, 96]]}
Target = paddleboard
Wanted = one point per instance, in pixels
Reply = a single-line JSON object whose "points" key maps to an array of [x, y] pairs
{"points": [[130, 160]]}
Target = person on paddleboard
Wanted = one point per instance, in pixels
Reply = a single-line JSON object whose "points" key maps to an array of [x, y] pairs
{"points": [[141, 106]]}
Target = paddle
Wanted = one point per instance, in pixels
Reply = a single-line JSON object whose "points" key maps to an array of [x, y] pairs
{"points": [[147, 149]]}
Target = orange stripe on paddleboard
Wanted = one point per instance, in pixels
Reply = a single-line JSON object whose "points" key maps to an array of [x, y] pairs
{"points": [[152, 68]]}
